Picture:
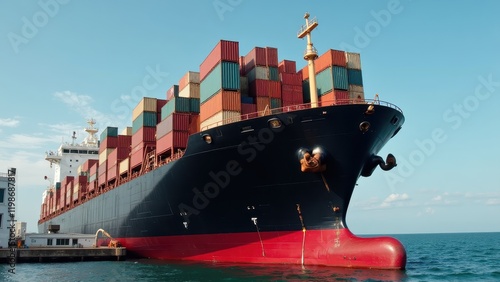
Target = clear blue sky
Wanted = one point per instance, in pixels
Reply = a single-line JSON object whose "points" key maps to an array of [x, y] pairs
{"points": [[62, 62]]}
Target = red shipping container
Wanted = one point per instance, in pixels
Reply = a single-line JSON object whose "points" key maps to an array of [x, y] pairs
{"points": [[175, 121], [291, 78], [248, 111], [159, 104], [173, 140], [88, 164], [342, 97], [256, 57], [330, 58], [81, 179], [222, 101], [259, 88], [108, 143], [101, 180], [139, 153], [224, 51], [118, 155], [124, 141], [144, 134], [194, 123], [287, 66], [93, 169], [292, 98], [112, 172], [271, 57], [285, 88], [274, 89]]}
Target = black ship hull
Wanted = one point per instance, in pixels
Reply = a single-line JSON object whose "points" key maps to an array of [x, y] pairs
{"points": [[243, 197]]}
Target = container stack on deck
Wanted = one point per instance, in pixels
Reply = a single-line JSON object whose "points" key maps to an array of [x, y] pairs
{"points": [[117, 155], [227, 88], [338, 78], [220, 96], [260, 66], [179, 117], [291, 83], [144, 120]]}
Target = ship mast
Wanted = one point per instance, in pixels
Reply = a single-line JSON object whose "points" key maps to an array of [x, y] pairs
{"points": [[310, 55]]}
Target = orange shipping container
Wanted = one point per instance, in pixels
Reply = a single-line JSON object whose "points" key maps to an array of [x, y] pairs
{"points": [[222, 101], [274, 89], [330, 58], [263, 104]]}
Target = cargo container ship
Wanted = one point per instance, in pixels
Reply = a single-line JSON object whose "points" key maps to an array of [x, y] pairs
{"points": [[246, 161]]}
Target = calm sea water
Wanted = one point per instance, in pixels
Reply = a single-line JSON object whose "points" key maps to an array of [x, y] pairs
{"points": [[431, 257]]}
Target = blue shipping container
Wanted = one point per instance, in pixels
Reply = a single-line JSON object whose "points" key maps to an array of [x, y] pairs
{"points": [[354, 77], [274, 74], [176, 105], [109, 131], [246, 100], [148, 119], [226, 76], [194, 105]]}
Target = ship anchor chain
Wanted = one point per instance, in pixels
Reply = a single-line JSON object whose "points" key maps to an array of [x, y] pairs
{"points": [[374, 161]]}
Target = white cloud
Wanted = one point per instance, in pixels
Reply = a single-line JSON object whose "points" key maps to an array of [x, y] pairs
{"points": [[394, 200], [84, 105], [22, 141], [9, 122]]}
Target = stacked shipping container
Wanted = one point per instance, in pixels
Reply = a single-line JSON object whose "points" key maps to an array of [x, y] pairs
{"points": [[227, 88], [261, 70], [291, 83], [220, 85], [337, 81]]}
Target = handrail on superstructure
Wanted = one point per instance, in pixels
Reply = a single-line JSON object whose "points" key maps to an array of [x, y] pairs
{"points": [[338, 102]]}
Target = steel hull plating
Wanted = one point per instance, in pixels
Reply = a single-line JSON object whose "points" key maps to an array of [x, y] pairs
{"points": [[243, 198]]}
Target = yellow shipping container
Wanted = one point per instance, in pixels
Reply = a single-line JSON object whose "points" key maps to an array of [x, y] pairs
{"points": [[124, 166], [104, 155]]}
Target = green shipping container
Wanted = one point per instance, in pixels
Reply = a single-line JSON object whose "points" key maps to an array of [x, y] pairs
{"points": [[194, 105], [109, 131], [331, 78], [274, 74], [355, 77], [226, 76], [148, 119], [176, 105]]}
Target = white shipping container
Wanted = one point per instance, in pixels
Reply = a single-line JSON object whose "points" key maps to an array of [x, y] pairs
{"points": [[258, 72], [356, 93], [189, 77], [192, 90], [127, 131], [353, 60], [220, 118]]}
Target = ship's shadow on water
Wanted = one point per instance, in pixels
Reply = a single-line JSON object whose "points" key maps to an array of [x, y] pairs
{"points": [[273, 272]]}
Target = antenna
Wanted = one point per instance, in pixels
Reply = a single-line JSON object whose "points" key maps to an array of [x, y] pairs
{"points": [[74, 138], [310, 55]]}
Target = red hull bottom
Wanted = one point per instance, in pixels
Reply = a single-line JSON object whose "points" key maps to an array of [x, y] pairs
{"points": [[333, 247]]}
